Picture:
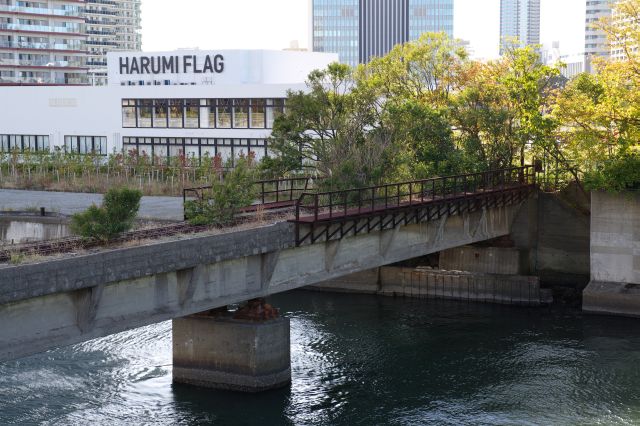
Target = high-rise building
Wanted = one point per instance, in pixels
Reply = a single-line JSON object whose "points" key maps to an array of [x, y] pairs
{"points": [[595, 40], [519, 20], [64, 41], [111, 25], [626, 24], [42, 42], [360, 29]]}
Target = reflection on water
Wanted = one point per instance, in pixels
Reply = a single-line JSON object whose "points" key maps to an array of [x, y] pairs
{"points": [[24, 230], [358, 360]]}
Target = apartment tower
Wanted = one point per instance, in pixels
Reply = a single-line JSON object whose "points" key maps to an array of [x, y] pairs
{"points": [[595, 40], [42, 42], [519, 20], [111, 25], [360, 29]]}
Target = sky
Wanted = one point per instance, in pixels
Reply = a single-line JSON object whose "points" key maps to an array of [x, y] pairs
{"points": [[273, 24]]}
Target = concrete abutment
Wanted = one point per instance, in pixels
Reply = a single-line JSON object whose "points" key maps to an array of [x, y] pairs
{"points": [[614, 288]]}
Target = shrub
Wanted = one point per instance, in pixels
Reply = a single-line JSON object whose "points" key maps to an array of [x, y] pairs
{"points": [[619, 174], [115, 216], [223, 201]]}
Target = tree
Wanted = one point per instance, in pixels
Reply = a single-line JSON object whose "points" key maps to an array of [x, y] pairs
{"points": [[116, 215], [220, 204], [600, 113]]}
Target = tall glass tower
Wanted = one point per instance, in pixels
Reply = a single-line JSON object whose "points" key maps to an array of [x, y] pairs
{"points": [[360, 29], [519, 19], [334, 28]]}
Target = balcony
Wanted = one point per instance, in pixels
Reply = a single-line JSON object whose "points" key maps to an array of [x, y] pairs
{"points": [[40, 28], [41, 63], [43, 46], [42, 11]]}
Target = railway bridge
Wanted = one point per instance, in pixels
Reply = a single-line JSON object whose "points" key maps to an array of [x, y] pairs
{"points": [[190, 279]]}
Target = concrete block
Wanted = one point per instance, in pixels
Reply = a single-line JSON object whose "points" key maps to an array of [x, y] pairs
{"points": [[611, 298], [222, 353]]}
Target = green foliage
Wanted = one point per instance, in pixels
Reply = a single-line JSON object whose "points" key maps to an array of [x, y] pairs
{"points": [[115, 216], [615, 175], [227, 196]]}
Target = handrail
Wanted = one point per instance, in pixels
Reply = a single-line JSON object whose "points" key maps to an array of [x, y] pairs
{"points": [[356, 201], [270, 191]]}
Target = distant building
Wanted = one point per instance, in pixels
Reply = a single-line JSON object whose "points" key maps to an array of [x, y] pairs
{"points": [[42, 42], [618, 48], [595, 40], [360, 29], [162, 105], [111, 26], [64, 41], [519, 20]]}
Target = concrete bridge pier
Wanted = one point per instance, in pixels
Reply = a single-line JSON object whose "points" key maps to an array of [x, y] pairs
{"points": [[246, 351]]}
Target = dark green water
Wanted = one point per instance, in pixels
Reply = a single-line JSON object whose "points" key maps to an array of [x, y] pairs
{"points": [[358, 360]]}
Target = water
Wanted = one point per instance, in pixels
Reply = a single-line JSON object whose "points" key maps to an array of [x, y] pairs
{"points": [[358, 360], [23, 230]]}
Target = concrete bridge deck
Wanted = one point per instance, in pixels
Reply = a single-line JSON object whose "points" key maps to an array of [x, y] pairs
{"points": [[68, 300]]}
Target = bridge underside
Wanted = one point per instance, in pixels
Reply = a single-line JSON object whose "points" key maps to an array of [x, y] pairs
{"points": [[70, 300]]}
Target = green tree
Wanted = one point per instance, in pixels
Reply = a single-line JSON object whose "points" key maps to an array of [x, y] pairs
{"points": [[116, 215], [220, 205]]}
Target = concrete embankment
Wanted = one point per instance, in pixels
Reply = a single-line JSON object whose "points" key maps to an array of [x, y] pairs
{"points": [[439, 284], [615, 255]]}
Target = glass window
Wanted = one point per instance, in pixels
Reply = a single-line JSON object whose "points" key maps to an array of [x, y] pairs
{"points": [[257, 114], [223, 113], [128, 116], [175, 113], [240, 113], [192, 113], [160, 113], [145, 108], [211, 113]]}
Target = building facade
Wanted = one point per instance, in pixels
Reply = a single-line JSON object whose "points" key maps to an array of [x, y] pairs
{"points": [[359, 29], [162, 105], [110, 25], [64, 41], [620, 49], [42, 42], [595, 40], [519, 23]]}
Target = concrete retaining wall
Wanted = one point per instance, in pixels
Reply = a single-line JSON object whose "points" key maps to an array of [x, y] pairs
{"points": [[487, 260], [439, 284], [615, 255], [556, 236]]}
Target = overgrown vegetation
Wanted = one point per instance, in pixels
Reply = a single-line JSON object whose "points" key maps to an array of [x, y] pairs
{"points": [[220, 204], [62, 171], [115, 216], [426, 109]]}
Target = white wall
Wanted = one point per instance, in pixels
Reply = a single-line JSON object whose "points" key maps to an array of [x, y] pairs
{"points": [[59, 111]]}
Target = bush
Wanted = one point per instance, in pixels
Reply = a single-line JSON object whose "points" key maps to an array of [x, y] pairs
{"points": [[616, 175], [115, 216], [224, 200]]}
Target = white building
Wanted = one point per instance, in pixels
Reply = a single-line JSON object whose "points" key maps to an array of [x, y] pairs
{"points": [[595, 40], [163, 104]]}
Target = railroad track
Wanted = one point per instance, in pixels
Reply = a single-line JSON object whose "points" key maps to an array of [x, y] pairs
{"points": [[70, 244]]}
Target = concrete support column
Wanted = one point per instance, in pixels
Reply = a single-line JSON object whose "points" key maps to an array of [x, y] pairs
{"points": [[248, 351]]}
